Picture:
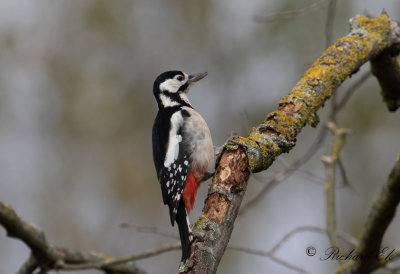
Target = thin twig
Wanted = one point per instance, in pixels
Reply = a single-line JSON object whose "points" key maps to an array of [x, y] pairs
{"points": [[340, 234], [350, 91], [269, 255], [292, 13], [150, 229], [330, 18], [343, 174], [330, 161], [29, 266], [305, 173], [105, 264]]}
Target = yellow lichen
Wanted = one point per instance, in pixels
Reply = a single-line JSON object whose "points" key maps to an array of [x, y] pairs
{"points": [[377, 28], [200, 221], [300, 106]]}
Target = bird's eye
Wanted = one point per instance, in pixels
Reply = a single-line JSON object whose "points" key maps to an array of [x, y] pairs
{"points": [[179, 78]]}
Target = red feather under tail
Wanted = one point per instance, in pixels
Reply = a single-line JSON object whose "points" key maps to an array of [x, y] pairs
{"points": [[190, 191]]}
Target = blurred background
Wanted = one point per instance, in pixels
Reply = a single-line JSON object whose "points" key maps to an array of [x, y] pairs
{"points": [[76, 111]]}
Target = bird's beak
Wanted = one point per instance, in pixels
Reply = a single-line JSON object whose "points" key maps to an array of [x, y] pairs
{"points": [[196, 77]]}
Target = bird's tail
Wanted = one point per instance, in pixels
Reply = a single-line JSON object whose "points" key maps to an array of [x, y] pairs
{"points": [[184, 231]]}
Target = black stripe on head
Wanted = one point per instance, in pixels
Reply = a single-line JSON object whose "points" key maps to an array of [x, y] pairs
{"points": [[174, 96], [183, 87]]}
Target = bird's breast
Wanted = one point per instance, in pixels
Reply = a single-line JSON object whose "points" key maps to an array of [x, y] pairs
{"points": [[198, 141]]}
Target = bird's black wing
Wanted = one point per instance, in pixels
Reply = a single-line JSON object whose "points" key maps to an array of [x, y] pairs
{"points": [[172, 171]]}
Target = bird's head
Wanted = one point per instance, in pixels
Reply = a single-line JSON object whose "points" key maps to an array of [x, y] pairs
{"points": [[171, 87]]}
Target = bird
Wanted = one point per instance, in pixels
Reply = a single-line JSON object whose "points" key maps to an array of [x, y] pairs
{"points": [[183, 150]]}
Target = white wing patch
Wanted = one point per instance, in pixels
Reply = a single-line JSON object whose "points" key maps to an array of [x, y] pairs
{"points": [[174, 139]]}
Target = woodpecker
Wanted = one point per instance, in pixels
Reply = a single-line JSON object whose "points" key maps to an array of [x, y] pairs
{"points": [[182, 148]]}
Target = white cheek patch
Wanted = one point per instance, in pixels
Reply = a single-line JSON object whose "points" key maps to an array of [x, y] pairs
{"points": [[174, 139], [170, 85]]}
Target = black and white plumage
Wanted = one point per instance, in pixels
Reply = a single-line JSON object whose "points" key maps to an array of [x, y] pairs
{"points": [[182, 148]]}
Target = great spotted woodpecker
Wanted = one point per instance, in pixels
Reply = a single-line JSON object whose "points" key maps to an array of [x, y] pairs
{"points": [[182, 148]]}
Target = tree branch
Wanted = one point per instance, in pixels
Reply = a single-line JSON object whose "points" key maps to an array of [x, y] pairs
{"points": [[30, 234], [310, 151], [380, 216], [277, 135], [118, 265], [330, 162], [29, 266], [46, 257], [386, 68]]}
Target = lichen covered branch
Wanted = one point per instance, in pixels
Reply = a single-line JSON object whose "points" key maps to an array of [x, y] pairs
{"points": [[277, 135]]}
